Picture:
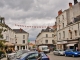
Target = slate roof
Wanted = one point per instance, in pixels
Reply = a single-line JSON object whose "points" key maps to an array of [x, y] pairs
{"points": [[48, 29], [19, 31]]}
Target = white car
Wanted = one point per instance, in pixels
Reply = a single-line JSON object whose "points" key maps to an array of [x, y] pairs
{"points": [[16, 54], [58, 52]]}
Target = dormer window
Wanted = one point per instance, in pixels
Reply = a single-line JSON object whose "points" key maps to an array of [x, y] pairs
{"points": [[49, 30]]}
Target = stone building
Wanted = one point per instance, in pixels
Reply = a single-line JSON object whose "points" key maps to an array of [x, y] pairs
{"points": [[46, 38], [68, 27]]}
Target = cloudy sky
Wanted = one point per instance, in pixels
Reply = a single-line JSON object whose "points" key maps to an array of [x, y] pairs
{"points": [[31, 13]]}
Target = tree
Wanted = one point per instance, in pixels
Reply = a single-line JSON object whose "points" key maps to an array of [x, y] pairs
{"points": [[1, 45]]}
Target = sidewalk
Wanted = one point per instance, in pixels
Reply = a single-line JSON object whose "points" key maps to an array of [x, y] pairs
{"points": [[4, 58]]}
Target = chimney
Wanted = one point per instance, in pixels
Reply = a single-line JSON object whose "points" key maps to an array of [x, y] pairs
{"points": [[70, 4], [59, 12], [75, 2], [20, 30]]}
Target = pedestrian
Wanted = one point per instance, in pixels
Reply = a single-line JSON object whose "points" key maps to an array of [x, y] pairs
{"points": [[39, 55]]}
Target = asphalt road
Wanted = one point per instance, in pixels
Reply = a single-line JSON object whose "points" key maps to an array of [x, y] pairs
{"points": [[54, 57]]}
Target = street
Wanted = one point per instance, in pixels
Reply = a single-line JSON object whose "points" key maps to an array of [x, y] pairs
{"points": [[54, 57]]}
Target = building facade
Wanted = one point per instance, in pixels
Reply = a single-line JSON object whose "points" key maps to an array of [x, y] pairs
{"points": [[21, 39], [46, 38], [68, 26]]}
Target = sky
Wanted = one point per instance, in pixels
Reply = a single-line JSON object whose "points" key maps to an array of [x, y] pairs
{"points": [[32, 13]]}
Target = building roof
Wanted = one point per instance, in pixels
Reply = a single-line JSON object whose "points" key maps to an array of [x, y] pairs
{"points": [[19, 31], [48, 29]]}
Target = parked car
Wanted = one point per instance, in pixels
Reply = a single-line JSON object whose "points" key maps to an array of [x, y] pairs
{"points": [[44, 48], [71, 52], [2, 54], [58, 52], [32, 55], [16, 54]]}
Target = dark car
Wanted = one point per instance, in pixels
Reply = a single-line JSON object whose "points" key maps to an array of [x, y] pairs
{"points": [[2, 54], [32, 56], [72, 52]]}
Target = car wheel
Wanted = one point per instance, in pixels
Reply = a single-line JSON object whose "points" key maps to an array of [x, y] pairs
{"points": [[58, 54], [73, 56], [54, 53], [65, 55]]}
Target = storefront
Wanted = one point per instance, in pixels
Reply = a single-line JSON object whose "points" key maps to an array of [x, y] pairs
{"points": [[72, 44], [61, 45]]}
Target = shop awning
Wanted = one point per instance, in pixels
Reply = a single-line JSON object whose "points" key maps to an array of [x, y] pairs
{"points": [[70, 45], [8, 44]]}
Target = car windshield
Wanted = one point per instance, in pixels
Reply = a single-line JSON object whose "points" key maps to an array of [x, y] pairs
{"points": [[20, 52], [23, 55], [44, 48]]}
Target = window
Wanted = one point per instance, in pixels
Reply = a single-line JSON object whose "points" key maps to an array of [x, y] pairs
{"points": [[15, 36], [23, 41], [63, 34], [23, 36], [70, 35], [49, 30], [59, 20], [53, 41], [52, 35], [59, 35], [46, 35], [62, 16], [46, 41], [59, 26], [63, 25], [75, 32]]}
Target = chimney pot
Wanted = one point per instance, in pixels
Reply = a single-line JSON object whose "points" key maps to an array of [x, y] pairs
{"points": [[20, 30], [59, 12], [70, 4]]}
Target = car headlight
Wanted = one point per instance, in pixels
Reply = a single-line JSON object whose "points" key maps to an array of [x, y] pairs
{"points": [[76, 53]]}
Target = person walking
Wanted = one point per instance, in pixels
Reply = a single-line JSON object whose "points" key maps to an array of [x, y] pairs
{"points": [[39, 55]]}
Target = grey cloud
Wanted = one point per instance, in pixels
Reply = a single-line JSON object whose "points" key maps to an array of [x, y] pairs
{"points": [[19, 4], [28, 11], [34, 8]]}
